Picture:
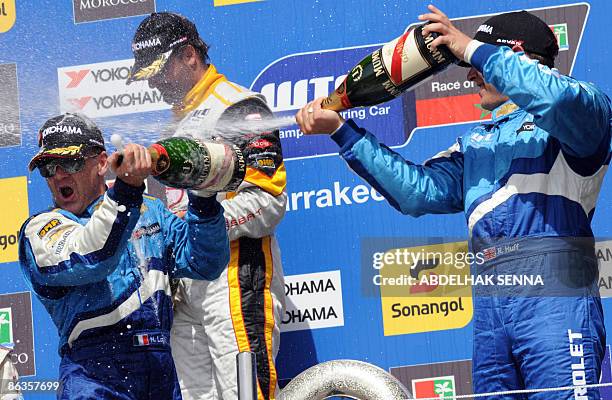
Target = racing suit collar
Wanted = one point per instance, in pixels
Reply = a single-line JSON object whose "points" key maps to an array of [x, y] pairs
{"points": [[504, 110], [91, 207], [200, 91]]}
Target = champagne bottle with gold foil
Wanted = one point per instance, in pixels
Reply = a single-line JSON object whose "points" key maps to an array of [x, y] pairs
{"points": [[383, 75], [188, 163]]}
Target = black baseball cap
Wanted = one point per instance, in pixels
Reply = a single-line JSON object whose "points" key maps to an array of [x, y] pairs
{"points": [[67, 136], [156, 38], [522, 29]]}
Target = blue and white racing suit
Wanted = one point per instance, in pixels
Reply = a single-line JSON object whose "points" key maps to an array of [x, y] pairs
{"points": [[528, 182], [103, 276]]}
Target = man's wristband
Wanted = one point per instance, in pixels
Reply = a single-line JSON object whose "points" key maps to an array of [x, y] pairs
{"points": [[470, 49]]}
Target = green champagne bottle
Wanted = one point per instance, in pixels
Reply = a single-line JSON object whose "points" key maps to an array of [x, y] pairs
{"points": [[383, 75], [188, 163]]}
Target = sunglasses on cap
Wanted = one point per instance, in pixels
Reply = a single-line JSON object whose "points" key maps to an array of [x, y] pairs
{"points": [[69, 165]]}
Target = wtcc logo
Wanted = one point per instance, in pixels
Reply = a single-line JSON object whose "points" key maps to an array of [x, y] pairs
{"points": [[290, 82], [290, 95], [99, 90]]}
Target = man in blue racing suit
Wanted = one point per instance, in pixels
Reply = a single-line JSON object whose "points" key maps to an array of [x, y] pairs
{"points": [[527, 182], [101, 263]]}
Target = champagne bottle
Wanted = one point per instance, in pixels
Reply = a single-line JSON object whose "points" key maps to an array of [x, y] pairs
{"points": [[188, 163], [383, 75]]}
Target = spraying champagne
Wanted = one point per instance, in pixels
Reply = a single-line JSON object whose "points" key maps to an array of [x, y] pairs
{"points": [[188, 163], [383, 75]]}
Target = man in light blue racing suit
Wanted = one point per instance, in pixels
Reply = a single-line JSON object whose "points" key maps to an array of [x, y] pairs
{"points": [[101, 263], [527, 181]]}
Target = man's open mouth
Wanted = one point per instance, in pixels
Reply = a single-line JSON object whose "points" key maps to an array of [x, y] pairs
{"points": [[66, 191]]}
